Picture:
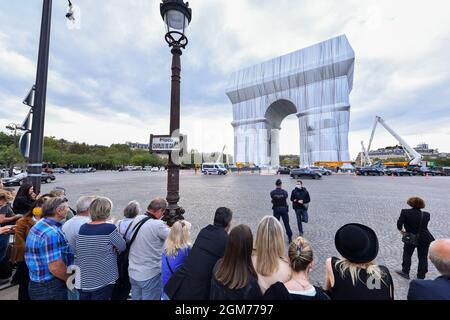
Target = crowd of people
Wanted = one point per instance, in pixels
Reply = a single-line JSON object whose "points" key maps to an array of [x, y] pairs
{"points": [[66, 254]]}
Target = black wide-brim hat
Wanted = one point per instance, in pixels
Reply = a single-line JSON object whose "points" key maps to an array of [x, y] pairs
{"points": [[357, 243]]}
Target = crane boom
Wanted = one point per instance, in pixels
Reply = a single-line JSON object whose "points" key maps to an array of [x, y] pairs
{"points": [[220, 157], [414, 157], [373, 134], [367, 159]]}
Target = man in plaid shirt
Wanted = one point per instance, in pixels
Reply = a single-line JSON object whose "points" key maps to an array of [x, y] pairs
{"points": [[48, 253]]}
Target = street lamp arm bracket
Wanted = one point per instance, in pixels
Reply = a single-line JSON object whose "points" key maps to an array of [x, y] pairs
{"points": [[176, 39]]}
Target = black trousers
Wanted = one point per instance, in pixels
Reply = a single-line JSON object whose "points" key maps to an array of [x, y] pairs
{"points": [[284, 214], [422, 254], [23, 278]]}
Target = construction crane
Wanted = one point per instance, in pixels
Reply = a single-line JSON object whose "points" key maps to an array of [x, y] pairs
{"points": [[220, 157], [365, 159], [414, 157]]}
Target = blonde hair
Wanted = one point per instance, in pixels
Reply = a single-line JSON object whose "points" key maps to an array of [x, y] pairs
{"points": [[6, 195], [372, 269], [269, 245], [300, 254], [179, 238]]}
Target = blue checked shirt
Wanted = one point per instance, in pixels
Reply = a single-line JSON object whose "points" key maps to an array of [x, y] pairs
{"points": [[46, 243]]}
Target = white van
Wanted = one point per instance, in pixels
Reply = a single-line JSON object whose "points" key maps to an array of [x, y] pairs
{"points": [[214, 168]]}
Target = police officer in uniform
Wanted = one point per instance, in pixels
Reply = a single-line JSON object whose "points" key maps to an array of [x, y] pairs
{"points": [[280, 207]]}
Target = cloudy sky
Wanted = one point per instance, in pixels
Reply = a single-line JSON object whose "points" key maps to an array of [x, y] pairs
{"points": [[109, 79]]}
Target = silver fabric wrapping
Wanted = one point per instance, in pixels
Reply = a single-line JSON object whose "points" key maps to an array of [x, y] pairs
{"points": [[314, 83]]}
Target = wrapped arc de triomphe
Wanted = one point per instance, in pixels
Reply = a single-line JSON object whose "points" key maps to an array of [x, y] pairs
{"points": [[314, 83]]}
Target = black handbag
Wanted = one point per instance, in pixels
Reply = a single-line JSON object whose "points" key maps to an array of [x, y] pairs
{"points": [[122, 287], [413, 238]]}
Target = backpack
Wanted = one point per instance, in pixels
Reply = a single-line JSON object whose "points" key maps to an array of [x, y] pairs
{"points": [[123, 286]]}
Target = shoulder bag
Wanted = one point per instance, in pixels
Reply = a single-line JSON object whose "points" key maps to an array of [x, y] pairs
{"points": [[413, 238]]}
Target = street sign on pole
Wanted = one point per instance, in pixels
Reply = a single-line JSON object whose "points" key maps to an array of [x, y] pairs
{"points": [[166, 144]]}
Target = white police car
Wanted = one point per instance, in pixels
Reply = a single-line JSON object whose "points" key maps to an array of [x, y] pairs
{"points": [[214, 168]]}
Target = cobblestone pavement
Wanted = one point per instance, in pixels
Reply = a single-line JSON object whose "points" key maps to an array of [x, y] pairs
{"points": [[336, 200]]}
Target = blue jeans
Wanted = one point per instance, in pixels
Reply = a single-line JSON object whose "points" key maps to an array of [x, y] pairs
{"points": [[4, 241], [73, 295], [51, 290], [104, 293], [302, 216], [146, 290], [284, 214]]}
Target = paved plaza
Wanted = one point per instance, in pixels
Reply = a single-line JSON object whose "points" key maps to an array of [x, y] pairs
{"points": [[336, 200]]}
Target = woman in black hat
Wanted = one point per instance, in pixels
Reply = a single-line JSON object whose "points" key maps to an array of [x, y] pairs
{"points": [[356, 276]]}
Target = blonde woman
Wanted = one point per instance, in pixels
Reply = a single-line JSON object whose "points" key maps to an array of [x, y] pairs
{"points": [[299, 287], [177, 247], [356, 276], [269, 258]]}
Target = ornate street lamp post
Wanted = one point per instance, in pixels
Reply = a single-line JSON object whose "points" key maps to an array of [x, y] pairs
{"points": [[177, 16]]}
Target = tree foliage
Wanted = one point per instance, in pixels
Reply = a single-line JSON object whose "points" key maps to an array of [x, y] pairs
{"points": [[62, 153]]}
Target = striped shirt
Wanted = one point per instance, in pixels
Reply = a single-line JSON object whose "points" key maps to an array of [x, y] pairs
{"points": [[45, 244], [96, 255]]}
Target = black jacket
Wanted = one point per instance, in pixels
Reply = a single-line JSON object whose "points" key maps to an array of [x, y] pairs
{"points": [[279, 197], [438, 289], [192, 281], [278, 291], [300, 194], [22, 205], [250, 292], [410, 219]]}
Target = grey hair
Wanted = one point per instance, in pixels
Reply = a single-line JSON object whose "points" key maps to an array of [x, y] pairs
{"points": [[50, 205], [100, 209], [132, 209], [158, 204], [84, 203], [440, 260]]}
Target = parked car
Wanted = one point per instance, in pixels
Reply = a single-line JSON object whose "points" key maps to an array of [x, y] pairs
{"points": [[305, 173], [284, 170], [47, 177], [322, 171], [82, 170], [48, 170], [370, 171], [19, 179], [400, 172], [155, 169], [17, 170], [214, 168], [59, 170], [426, 171], [446, 171]]}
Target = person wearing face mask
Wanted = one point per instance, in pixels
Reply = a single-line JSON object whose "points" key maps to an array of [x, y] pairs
{"points": [[48, 254], [300, 200]]}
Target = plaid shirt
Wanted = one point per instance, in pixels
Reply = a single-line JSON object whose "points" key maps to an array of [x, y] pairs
{"points": [[46, 243]]}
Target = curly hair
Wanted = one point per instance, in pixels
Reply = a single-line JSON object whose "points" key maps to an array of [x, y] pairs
{"points": [[416, 203]]}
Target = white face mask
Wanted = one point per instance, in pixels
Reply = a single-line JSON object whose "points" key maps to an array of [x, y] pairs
{"points": [[299, 186]]}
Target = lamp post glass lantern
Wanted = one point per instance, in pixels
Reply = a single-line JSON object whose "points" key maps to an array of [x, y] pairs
{"points": [[176, 15]]}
